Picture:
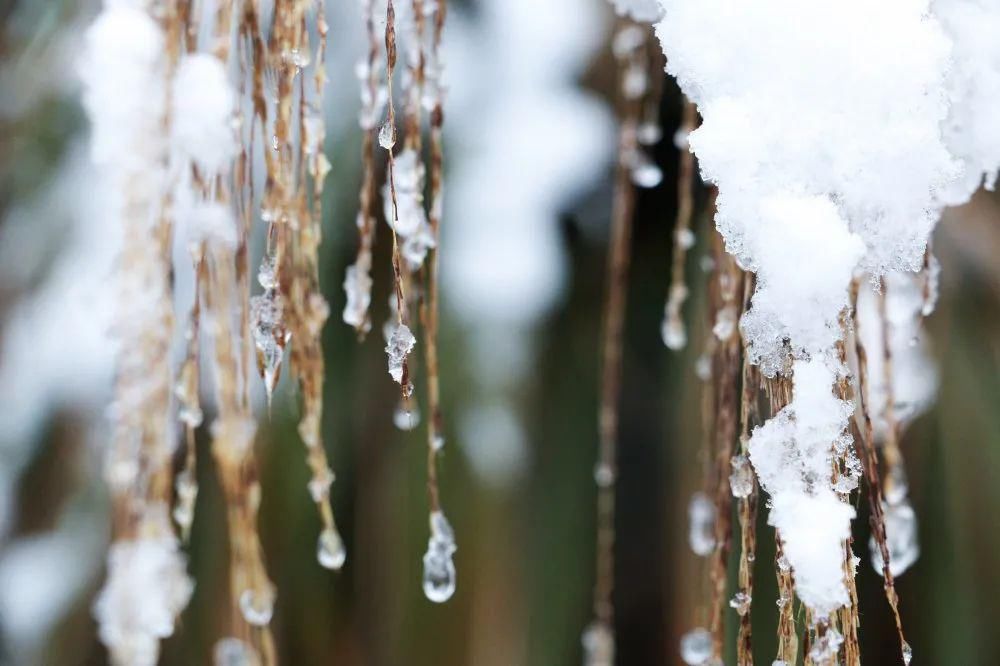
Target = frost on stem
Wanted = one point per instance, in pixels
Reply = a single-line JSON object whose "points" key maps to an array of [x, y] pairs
{"points": [[146, 590]]}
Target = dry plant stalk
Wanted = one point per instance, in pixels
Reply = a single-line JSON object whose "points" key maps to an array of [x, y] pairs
{"points": [[869, 460], [747, 505], [600, 638], [673, 329], [725, 312]]}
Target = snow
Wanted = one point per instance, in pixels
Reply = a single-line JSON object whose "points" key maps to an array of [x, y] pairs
{"points": [[202, 123], [822, 130]]}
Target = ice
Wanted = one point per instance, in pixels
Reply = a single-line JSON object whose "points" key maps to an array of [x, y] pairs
{"points": [[439, 568], [701, 524], [400, 344]]}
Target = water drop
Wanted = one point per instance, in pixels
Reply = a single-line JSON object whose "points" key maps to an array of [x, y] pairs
{"points": [[685, 238], [604, 475], [825, 647], [387, 136], [741, 478], [673, 333], [645, 173], [406, 417], [257, 606], [907, 653], [725, 323], [400, 344], [649, 133], [439, 568], [598, 644], [319, 485], [901, 539], [696, 647], [330, 550], [741, 602], [234, 652], [681, 139], [701, 524]]}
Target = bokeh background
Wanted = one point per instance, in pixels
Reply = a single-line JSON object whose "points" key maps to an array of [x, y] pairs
{"points": [[530, 136]]}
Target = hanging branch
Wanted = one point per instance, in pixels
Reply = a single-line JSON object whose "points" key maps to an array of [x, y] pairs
{"points": [[673, 330], [358, 281], [743, 485], [599, 640], [869, 460]]}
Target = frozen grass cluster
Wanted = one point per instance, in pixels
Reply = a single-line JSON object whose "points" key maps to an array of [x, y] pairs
{"points": [[835, 132]]}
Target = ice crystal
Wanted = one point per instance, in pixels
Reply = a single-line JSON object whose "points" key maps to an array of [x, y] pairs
{"points": [[741, 478], [696, 647], [330, 550], [701, 524], [901, 539], [400, 344], [439, 568]]}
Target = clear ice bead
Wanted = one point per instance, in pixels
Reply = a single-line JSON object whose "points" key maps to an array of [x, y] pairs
{"points": [[598, 644], [330, 550], [901, 539], [439, 568], [234, 652], [257, 606], [741, 478], [701, 524], [406, 417], [696, 647], [387, 136]]}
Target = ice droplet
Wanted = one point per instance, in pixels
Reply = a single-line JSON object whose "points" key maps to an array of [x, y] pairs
{"points": [[406, 417], [725, 323], [604, 475], [684, 238], [649, 133], [826, 646], [319, 485], [234, 652], [387, 136], [701, 524], [907, 653], [257, 606], [901, 539], [400, 344], [645, 173], [439, 568], [741, 602], [673, 333], [681, 139], [330, 550], [598, 644], [741, 478], [696, 647]]}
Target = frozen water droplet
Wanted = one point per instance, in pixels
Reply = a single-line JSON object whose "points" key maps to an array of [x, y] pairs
{"points": [[779, 662], [257, 605], [725, 323], [635, 82], [701, 524], [901, 539], [439, 568], [685, 238], [645, 173], [673, 333], [825, 647], [627, 40], [741, 478], [319, 485], [330, 550], [400, 344], [907, 653], [387, 136], [406, 417], [681, 139], [696, 647], [649, 133], [783, 564], [604, 475], [741, 602], [266, 274], [269, 337], [781, 601], [438, 442], [703, 367], [234, 652], [598, 644]]}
